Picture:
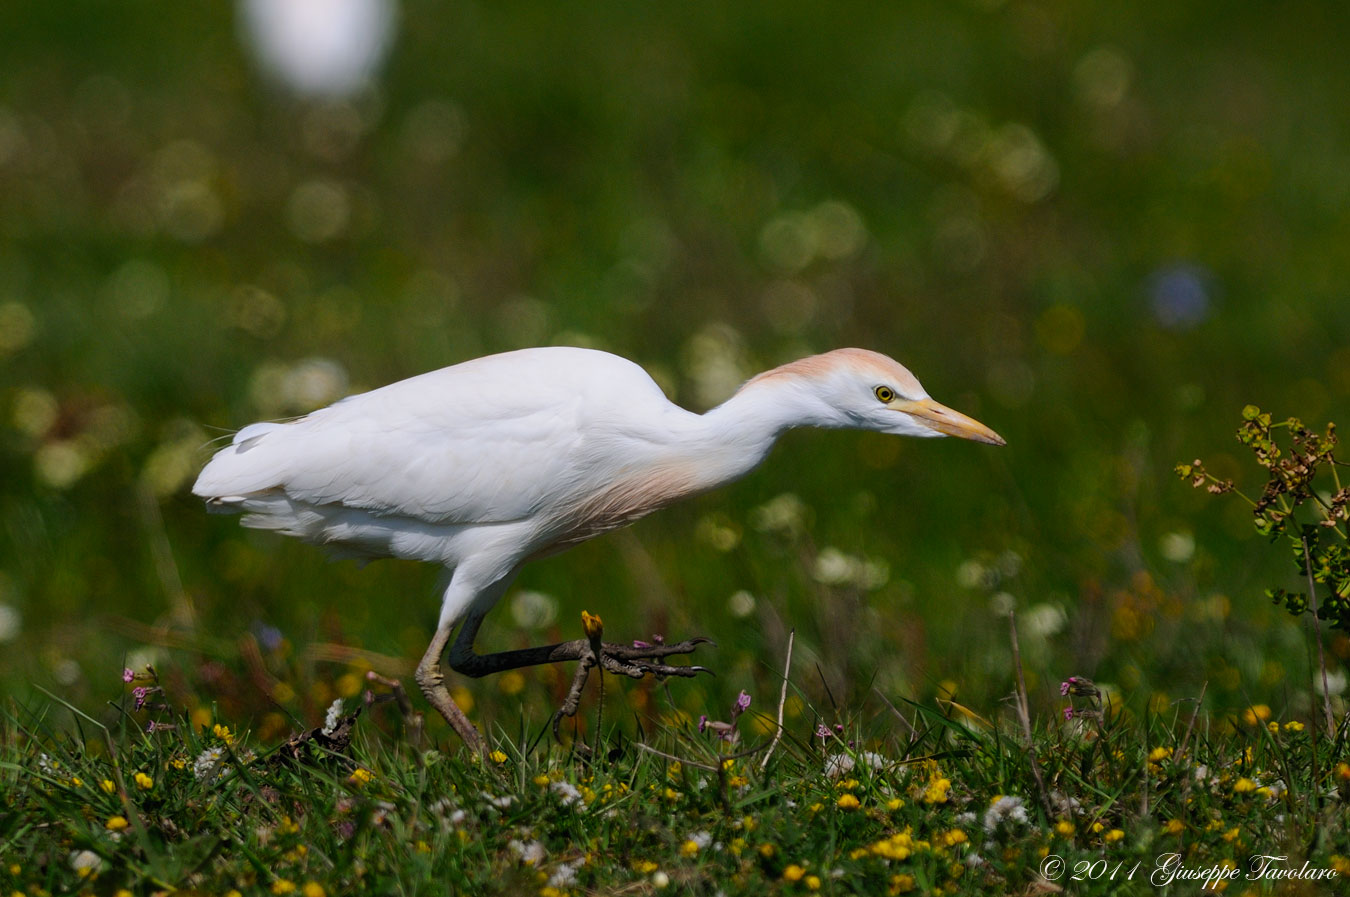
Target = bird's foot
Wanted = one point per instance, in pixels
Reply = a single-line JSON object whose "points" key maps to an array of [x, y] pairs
{"points": [[635, 661]]}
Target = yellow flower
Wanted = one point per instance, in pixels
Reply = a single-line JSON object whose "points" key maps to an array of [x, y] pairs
{"points": [[1343, 771], [422, 847], [75, 782], [900, 884], [1065, 828], [1340, 864], [116, 823], [123, 892], [1173, 827], [766, 850], [313, 889], [541, 780], [813, 883], [672, 794], [463, 698], [689, 848], [511, 683], [361, 777], [143, 781], [348, 685], [1158, 754], [1293, 726], [1242, 786], [107, 786], [793, 873], [1114, 835], [1097, 828], [894, 804], [1274, 727], [953, 837], [497, 757], [644, 867], [592, 624], [848, 802], [283, 886], [937, 791], [1257, 713], [1231, 834], [223, 733], [897, 847]]}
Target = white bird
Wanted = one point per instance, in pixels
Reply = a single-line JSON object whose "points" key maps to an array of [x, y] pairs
{"points": [[486, 465]]}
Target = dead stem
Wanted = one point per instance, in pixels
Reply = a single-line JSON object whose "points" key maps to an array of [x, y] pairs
{"points": [[1025, 716]]}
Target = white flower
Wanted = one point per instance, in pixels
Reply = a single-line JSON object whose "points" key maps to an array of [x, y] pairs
{"points": [[784, 514], [334, 715], [1007, 809], [837, 765], [566, 791], [702, 839], [501, 803], [320, 47], [208, 763], [565, 874], [1064, 804], [531, 853], [85, 862]]}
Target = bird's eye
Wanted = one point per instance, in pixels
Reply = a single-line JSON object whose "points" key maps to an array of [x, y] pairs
{"points": [[884, 393]]}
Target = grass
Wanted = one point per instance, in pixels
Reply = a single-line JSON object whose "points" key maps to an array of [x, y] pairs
{"points": [[943, 802]]}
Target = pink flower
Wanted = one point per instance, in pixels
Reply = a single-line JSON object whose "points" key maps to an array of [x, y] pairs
{"points": [[1068, 713], [742, 703], [127, 674]]}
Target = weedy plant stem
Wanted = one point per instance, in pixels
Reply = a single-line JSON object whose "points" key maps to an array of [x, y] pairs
{"points": [[1025, 716], [782, 701], [1317, 631]]}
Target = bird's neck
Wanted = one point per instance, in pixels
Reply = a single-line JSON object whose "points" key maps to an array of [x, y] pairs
{"points": [[734, 437]]}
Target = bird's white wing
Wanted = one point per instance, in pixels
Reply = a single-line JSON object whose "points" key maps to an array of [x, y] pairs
{"points": [[489, 441]]}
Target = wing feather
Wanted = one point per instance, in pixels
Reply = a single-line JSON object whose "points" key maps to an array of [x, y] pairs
{"points": [[489, 441]]}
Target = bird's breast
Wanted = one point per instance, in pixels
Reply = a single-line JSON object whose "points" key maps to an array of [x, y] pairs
{"points": [[623, 501]]}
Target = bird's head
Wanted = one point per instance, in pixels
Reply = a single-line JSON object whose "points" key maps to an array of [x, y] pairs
{"points": [[859, 389]]}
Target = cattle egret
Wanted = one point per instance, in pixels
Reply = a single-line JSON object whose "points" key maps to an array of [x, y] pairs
{"points": [[486, 465]]}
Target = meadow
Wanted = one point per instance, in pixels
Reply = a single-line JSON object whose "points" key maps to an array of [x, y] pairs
{"points": [[1101, 231]]}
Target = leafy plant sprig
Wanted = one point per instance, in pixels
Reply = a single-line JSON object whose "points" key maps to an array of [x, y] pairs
{"points": [[1317, 536]]}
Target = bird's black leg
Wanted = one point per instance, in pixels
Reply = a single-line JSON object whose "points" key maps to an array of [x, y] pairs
{"points": [[634, 661]]}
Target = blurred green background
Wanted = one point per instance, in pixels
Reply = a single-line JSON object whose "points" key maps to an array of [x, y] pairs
{"points": [[1099, 228]]}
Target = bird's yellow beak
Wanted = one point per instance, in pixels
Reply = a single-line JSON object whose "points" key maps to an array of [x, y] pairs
{"points": [[948, 422]]}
